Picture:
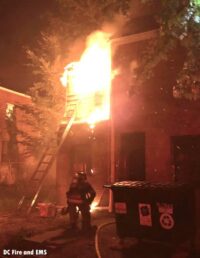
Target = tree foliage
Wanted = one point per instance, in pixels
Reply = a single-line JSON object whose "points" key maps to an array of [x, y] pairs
{"points": [[179, 27], [41, 118]]}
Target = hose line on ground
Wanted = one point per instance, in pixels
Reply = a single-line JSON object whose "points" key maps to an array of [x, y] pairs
{"points": [[97, 237]]}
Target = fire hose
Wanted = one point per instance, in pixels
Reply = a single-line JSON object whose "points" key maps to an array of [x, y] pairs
{"points": [[97, 237], [65, 210]]}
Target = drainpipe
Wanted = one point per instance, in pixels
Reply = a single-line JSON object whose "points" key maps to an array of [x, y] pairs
{"points": [[115, 43], [112, 149]]}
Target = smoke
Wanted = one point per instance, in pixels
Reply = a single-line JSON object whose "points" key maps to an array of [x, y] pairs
{"points": [[115, 27], [76, 49], [112, 29]]}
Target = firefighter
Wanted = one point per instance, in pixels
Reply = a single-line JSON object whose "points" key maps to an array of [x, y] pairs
{"points": [[79, 197]]}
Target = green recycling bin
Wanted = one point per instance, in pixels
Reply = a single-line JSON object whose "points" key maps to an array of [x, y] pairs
{"points": [[154, 211]]}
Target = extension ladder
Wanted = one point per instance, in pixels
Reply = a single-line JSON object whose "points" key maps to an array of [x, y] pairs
{"points": [[37, 179]]}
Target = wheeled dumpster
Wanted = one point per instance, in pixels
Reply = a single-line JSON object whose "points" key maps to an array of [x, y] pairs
{"points": [[156, 212]]}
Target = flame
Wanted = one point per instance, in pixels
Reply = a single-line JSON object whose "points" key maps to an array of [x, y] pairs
{"points": [[91, 78], [93, 206]]}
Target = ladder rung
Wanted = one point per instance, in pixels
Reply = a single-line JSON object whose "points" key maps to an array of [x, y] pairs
{"points": [[39, 173], [67, 119], [48, 155], [42, 166], [69, 115], [71, 102], [44, 163], [70, 110], [36, 179], [71, 105]]}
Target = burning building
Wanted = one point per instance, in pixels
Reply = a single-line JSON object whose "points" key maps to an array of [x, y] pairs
{"points": [[149, 136]]}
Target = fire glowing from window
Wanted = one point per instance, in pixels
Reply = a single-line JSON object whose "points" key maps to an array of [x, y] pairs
{"points": [[90, 79]]}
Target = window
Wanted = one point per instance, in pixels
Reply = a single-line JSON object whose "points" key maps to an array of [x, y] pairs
{"points": [[9, 110]]}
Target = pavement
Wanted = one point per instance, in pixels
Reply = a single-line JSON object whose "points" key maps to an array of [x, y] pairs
{"points": [[63, 242]]}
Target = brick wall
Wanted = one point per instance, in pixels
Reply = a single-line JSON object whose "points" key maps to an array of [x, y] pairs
{"points": [[11, 97]]}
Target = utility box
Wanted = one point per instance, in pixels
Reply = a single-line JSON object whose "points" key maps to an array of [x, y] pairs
{"points": [[156, 212]]}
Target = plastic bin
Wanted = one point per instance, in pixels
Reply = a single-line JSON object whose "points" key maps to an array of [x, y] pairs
{"points": [[47, 210], [157, 212]]}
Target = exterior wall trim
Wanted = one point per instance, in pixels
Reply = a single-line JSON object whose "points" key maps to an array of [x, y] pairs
{"points": [[135, 37], [14, 92]]}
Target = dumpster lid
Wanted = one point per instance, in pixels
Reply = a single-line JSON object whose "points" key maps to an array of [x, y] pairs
{"points": [[146, 184]]}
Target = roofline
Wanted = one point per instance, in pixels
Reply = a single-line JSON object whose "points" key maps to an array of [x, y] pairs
{"points": [[135, 37], [15, 92]]}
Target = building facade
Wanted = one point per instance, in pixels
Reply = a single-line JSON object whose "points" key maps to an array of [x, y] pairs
{"points": [[151, 136], [10, 166]]}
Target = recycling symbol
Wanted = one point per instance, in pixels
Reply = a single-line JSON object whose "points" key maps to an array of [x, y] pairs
{"points": [[166, 221]]}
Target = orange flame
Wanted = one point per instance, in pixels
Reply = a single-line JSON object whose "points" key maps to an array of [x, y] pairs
{"points": [[91, 78], [93, 206]]}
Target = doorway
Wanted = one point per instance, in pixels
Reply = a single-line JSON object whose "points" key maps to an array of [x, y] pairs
{"points": [[80, 157], [132, 157], [186, 158]]}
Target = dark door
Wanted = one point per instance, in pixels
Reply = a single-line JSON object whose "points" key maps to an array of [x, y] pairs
{"points": [[81, 158], [132, 157], [186, 150]]}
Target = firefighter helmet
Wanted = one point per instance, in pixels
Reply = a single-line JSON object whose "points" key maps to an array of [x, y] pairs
{"points": [[81, 175]]}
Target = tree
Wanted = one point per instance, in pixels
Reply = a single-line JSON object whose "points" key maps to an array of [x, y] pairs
{"points": [[39, 120], [179, 26]]}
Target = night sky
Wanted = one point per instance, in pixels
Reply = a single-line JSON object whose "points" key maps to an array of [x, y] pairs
{"points": [[20, 24]]}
